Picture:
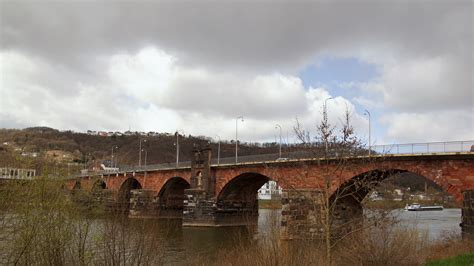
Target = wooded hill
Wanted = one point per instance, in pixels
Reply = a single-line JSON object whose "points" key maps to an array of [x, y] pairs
{"points": [[85, 148]]}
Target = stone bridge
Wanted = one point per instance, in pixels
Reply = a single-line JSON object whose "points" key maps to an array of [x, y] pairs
{"points": [[226, 194]]}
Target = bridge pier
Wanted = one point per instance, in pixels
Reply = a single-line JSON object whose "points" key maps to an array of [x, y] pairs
{"points": [[142, 203], [302, 214], [467, 215]]}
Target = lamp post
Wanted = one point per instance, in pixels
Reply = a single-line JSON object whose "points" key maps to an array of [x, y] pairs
{"points": [[218, 150], [177, 147], [112, 159], [278, 126], [146, 155], [140, 153], [367, 113], [325, 117], [236, 136]]}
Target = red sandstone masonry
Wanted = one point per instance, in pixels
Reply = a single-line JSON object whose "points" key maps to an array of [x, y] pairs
{"points": [[454, 173]]}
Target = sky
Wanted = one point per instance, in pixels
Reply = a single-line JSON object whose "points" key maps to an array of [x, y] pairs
{"points": [[195, 66]]}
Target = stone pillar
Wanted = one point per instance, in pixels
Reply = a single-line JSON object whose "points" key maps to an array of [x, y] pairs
{"points": [[141, 203], [302, 214], [199, 203], [467, 216], [104, 199], [199, 209]]}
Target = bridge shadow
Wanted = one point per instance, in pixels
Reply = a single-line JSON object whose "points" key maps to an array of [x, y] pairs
{"points": [[125, 193], [388, 190], [237, 203], [171, 198]]}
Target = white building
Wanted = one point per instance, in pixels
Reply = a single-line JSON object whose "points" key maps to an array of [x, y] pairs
{"points": [[269, 190]]}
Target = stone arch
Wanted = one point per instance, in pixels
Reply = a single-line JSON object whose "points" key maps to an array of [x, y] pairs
{"points": [[171, 197], [240, 193], [347, 199], [77, 185], [124, 193], [98, 185]]}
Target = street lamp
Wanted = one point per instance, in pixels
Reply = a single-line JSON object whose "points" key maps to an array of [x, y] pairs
{"points": [[140, 153], [278, 126], [177, 148], [112, 159], [367, 113], [236, 136], [218, 150], [325, 117]]}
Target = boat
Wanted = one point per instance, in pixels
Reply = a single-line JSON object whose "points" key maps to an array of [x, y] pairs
{"points": [[418, 207]]}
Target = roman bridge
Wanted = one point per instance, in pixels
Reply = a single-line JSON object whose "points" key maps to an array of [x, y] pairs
{"points": [[208, 194]]}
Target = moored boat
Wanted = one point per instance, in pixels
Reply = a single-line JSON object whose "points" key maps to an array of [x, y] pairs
{"points": [[418, 207]]}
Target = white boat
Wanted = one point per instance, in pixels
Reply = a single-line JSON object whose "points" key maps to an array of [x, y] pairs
{"points": [[418, 207]]}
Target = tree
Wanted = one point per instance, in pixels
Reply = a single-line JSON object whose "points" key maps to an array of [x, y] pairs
{"points": [[340, 209]]}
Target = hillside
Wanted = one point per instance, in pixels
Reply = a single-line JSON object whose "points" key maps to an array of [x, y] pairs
{"points": [[70, 147]]}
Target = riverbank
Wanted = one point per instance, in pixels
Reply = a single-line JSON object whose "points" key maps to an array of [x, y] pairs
{"points": [[392, 204], [269, 204], [464, 259]]}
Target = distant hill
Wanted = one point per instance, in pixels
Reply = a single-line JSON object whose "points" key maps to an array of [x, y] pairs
{"points": [[82, 148]]}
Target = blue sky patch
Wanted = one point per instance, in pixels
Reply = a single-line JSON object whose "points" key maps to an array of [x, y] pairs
{"points": [[332, 71]]}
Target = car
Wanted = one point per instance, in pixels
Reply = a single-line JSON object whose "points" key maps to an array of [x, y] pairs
{"points": [[282, 159]]}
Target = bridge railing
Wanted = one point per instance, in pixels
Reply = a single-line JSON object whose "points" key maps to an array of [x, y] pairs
{"points": [[401, 149], [425, 148], [17, 173]]}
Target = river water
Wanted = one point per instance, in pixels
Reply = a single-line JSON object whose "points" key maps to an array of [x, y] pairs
{"points": [[178, 244], [192, 241]]}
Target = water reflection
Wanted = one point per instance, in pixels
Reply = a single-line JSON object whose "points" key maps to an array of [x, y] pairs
{"points": [[175, 244]]}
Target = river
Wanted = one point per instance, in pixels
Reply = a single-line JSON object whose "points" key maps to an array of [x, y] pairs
{"points": [[192, 241], [177, 244]]}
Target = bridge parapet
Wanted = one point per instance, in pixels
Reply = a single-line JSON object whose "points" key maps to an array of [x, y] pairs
{"points": [[17, 173]]}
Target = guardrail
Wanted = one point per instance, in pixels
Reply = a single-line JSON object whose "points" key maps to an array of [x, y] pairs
{"points": [[17, 173], [394, 149], [425, 148]]}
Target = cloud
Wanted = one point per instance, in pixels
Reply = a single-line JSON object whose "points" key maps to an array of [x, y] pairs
{"points": [[166, 65], [149, 90], [436, 126]]}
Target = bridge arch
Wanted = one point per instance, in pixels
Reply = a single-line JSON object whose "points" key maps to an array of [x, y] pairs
{"points": [[240, 193], [124, 193], [98, 185], [77, 185], [348, 197], [171, 197]]}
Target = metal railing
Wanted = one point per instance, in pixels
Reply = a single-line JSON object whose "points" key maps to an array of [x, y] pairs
{"points": [[17, 173], [425, 148], [377, 150]]}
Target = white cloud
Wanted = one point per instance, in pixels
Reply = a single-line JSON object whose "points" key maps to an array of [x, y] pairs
{"points": [[147, 91], [63, 68], [433, 126]]}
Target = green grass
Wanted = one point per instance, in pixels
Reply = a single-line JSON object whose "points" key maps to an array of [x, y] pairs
{"points": [[465, 259]]}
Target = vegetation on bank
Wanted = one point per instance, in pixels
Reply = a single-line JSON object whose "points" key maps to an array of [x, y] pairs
{"points": [[464, 259], [269, 204], [393, 205], [44, 224]]}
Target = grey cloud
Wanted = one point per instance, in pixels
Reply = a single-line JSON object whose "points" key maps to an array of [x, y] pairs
{"points": [[246, 35]]}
